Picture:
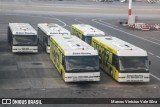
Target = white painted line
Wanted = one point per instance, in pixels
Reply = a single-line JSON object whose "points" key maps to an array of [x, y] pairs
{"points": [[155, 39], [155, 77], [107, 23], [64, 24], [61, 22], [158, 57], [150, 53], [78, 21], [94, 20]]}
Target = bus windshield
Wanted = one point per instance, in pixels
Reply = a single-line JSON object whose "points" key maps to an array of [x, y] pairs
{"points": [[24, 39], [82, 63], [133, 63]]}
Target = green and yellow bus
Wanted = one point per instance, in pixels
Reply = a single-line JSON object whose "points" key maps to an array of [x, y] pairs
{"points": [[123, 61], [74, 59], [86, 32]]}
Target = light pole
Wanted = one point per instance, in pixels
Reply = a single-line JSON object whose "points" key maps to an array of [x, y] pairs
{"points": [[130, 8]]}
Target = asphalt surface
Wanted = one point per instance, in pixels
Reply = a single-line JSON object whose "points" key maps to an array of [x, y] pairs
{"points": [[34, 75], [77, 7]]}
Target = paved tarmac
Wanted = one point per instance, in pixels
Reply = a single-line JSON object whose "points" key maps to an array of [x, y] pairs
{"points": [[34, 75]]}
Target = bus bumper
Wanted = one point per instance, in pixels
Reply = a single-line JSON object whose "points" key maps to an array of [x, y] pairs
{"points": [[24, 49], [134, 77], [82, 77]]}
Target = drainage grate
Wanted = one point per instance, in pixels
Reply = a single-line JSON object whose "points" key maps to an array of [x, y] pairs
{"points": [[36, 63]]}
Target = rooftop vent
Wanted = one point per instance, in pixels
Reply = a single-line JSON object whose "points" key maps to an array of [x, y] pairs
{"points": [[123, 46], [67, 37], [22, 27], [53, 26], [75, 45], [108, 37]]}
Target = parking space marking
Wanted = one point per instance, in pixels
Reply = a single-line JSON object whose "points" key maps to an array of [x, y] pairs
{"points": [[150, 53], [95, 20], [61, 22], [158, 57], [78, 21], [64, 24], [155, 39], [155, 76], [108, 23]]}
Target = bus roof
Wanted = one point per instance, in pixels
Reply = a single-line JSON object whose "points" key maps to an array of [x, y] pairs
{"points": [[88, 30], [22, 29], [73, 46], [52, 29], [119, 46]]}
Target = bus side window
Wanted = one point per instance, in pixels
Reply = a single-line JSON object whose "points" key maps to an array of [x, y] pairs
{"points": [[83, 38], [106, 58], [115, 61], [63, 60], [99, 51]]}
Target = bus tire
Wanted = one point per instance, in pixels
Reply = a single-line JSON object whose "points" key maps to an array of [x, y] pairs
{"points": [[61, 73], [111, 72], [10, 47]]}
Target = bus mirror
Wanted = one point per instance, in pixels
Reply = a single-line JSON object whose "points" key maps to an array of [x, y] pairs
{"points": [[149, 62]]}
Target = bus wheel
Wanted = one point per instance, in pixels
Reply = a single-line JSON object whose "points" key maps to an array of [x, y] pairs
{"points": [[111, 72], [61, 73], [11, 47]]}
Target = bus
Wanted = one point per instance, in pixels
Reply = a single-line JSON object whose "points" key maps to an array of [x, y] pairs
{"points": [[86, 32], [75, 60], [22, 38], [45, 30], [123, 61]]}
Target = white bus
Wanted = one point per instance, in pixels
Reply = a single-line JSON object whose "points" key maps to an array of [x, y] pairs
{"points": [[122, 60], [45, 30], [86, 32], [74, 59], [22, 38]]}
